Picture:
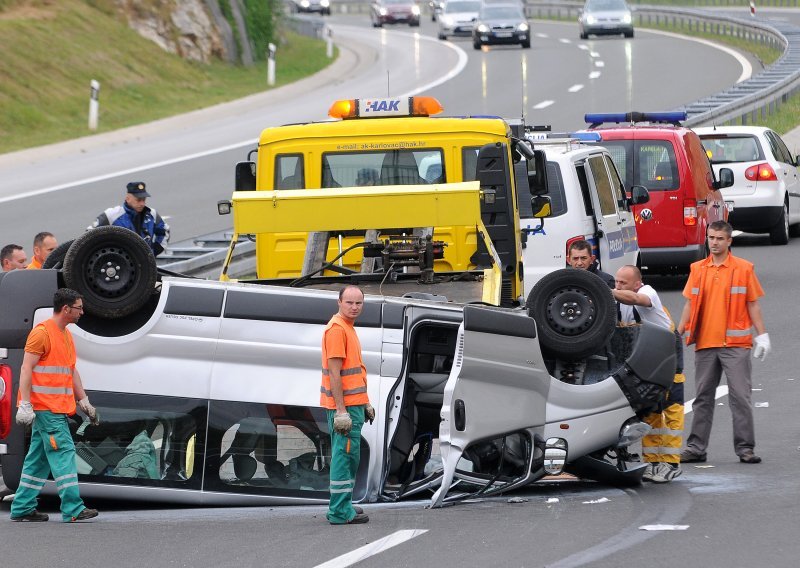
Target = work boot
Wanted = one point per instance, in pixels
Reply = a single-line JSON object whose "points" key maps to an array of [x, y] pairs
{"points": [[85, 515], [648, 472], [748, 456], [665, 472], [690, 456], [32, 517], [359, 519]]}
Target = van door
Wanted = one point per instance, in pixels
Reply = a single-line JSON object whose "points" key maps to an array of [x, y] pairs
{"points": [[630, 252], [610, 242], [497, 390]]}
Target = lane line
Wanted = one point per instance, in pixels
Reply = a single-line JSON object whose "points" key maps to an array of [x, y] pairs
{"points": [[722, 390], [599, 64], [594, 74], [543, 104], [594, 54], [565, 40], [372, 549], [454, 71], [541, 35], [575, 88], [583, 46]]}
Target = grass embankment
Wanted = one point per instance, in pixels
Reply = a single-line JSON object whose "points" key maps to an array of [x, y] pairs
{"points": [[52, 50]]}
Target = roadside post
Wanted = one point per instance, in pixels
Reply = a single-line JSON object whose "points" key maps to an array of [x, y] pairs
{"points": [[271, 64], [329, 39], [94, 104]]}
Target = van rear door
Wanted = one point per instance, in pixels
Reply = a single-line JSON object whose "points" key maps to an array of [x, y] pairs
{"points": [[494, 404]]}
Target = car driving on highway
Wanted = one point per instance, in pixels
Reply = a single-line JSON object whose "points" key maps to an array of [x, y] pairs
{"points": [[605, 17], [458, 18], [501, 24], [394, 12], [765, 196]]}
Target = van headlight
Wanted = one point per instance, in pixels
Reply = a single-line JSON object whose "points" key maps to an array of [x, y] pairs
{"points": [[523, 27]]}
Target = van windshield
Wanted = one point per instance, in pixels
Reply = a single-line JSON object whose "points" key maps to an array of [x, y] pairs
{"points": [[650, 163], [391, 167]]}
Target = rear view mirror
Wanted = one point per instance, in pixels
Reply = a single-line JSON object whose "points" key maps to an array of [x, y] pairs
{"points": [[245, 176], [725, 178], [639, 195], [541, 206], [537, 173]]}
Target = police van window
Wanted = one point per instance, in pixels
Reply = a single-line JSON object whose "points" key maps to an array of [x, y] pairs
{"points": [[271, 449], [580, 170], [289, 172], [392, 167], [650, 163], [616, 183], [602, 184], [142, 440]]}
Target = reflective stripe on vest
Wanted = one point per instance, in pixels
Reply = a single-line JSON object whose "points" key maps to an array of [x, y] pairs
{"points": [[51, 380], [353, 373]]}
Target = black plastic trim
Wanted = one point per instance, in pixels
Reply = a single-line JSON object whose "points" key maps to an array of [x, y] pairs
{"points": [[293, 309], [487, 320], [194, 301]]}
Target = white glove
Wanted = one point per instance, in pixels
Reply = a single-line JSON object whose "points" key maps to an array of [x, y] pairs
{"points": [[89, 410], [369, 413], [762, 346], [342, 423], [25, 414]]}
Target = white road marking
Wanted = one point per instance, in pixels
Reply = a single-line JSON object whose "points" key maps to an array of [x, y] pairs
{"points": [[575, 88], [722, 390], [594, 54], [543, 36], [599, 64], [583, 46], [372, 549], [543, 104], [565, 40], [594, 74]]}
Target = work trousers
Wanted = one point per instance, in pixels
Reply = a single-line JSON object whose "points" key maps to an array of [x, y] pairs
{"points": [[709, 365], [345, 456], [663, 443], [52, 451]]}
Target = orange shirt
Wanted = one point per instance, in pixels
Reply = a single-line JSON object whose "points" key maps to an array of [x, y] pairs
{"points": [[34, 264], [38, 341], [713, 315]]}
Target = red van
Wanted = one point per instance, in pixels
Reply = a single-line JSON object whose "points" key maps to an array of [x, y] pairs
{"points": [[653, 150]]}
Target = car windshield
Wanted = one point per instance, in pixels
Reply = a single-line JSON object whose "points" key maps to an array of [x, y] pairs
{"points": [[606, 5], [406, 2], [501, 13], [727, 149], [459, 7]]}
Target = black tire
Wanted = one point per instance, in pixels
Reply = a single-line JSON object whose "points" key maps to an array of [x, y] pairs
{"points": [[442, 37], [113, 268], [526, 44], [574, 313], [476, 45], [56, 258], [779, 234], [629, 34]]}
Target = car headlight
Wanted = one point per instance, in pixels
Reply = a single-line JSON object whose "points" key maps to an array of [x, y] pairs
{"points": [[383, 11], [627, 19], [305, 3], [483, 28], [523, 27], [415, 10], [446, 20], [324, 3], [590, 19]]}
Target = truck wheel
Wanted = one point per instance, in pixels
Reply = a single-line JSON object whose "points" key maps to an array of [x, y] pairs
{"points": [[56, 258], [574, 313], [113, 268]]}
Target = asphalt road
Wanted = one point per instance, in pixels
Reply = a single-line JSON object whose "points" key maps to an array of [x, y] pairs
{"points": [[735, 515]]}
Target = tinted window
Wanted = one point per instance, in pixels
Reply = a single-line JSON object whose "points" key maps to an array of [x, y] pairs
{"points": [[602, 184], [650, 163], [783, 152], [501, 13], [727, 149], [457, 7], [616, 183], [584, 183], [469, 164], [393, 167], [289, 172]]}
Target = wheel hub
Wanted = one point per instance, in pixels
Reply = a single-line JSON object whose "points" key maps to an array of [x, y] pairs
{"points": [[570, 311], [110, 272]]}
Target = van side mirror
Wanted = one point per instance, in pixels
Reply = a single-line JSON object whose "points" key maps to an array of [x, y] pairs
{"points": [[245, 176], [725, 178], [639, 195], [537, 173], [541, 206]]}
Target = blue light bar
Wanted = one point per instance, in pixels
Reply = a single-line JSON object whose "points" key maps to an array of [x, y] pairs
{"points": [[672, 117], [586, 136]]}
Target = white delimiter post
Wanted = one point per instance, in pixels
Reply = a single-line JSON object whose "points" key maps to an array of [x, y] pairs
{"points": [[329, 34], [94, 104], [271, 64]]}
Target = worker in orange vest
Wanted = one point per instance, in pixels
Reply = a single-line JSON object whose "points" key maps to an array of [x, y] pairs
{"points": [[49, 385], [344, 395]]}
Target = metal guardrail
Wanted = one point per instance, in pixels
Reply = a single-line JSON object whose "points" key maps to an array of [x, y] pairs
{"points": [[744, 102]]}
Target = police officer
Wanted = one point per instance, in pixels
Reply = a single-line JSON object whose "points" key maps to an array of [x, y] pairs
{"points": [[135, 215]]}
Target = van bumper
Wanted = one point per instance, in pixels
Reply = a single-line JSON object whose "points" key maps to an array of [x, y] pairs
{"points": [[668, 258], [755, 219]]}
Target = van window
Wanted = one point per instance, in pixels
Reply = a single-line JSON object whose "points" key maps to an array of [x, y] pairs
{"points": [[616, 183], [727, 149], [289, 171], [469, 163], [650, 163], [580, 169], [605, 193], [393, 167]]}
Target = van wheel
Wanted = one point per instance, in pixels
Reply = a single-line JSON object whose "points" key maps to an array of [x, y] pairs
{"points": [[113, 268], [574, 313], [56, 258], [779, 234]]}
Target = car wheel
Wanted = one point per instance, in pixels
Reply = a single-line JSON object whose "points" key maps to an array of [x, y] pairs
{"points": [[113, 268], [584, 35], [413, 24], [442, 36], [629, 34], [476, 44], [779, 234], [526, 44], [56, 258], [574, 313]]}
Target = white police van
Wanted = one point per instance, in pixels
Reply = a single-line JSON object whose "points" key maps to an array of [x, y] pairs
{"points": [[588, 202]]}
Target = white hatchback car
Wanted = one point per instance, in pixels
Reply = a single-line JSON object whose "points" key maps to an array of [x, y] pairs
{"points": [[765, 196], [457, 18]]}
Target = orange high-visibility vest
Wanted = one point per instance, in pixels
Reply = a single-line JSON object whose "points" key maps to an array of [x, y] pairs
{"points": [[738, 328], [51, 384], [34, 264], [354, 373]]}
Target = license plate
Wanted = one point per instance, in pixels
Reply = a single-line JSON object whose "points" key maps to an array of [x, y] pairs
{"points": [[503, 34], [729, 206]]}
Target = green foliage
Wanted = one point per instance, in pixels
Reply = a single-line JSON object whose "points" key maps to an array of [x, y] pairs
{"points": [[260, 23]]}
